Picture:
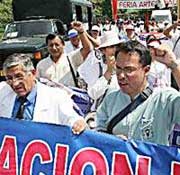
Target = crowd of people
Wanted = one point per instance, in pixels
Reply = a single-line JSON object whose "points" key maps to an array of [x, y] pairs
{"points": [[126, 71]]}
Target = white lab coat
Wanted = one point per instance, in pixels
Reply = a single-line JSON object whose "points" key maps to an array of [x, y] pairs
{"points": [[53, 105]]}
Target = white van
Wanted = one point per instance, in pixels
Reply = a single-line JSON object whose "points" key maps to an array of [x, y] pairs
{"points": [[162, 15]]}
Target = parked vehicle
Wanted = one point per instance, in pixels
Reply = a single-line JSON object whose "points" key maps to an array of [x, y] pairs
{"points": [[34, 20], [65, 10], [162, 15], [28, 36]]}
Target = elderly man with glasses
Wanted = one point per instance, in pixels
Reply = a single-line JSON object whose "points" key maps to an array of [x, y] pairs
{"points": [[25, 98]]}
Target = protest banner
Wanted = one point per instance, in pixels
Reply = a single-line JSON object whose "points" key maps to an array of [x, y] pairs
{"points": [[171, 3], [29, 148]]}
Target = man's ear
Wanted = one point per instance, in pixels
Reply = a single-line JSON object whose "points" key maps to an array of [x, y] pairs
{"points": [[147, 69], [33, 72]]}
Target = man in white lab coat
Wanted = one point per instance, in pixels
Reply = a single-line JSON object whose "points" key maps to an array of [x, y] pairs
{"points": [[40, 102]]}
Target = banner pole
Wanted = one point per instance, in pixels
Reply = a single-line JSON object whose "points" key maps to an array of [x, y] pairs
{"points": [[114, 4], [178, 9]]}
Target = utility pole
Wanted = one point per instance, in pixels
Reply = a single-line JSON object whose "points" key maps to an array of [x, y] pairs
{"points": [[178, 9]]}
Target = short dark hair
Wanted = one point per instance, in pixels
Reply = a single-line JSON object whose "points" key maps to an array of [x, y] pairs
{"points": [[51, 36], [135, 46]]}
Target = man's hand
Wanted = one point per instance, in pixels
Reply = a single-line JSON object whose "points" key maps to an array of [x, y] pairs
{"points": [[177, 23], [111, 64], [121, 136], [79, 126], [166, 56], [110, 68], [77, 25]]}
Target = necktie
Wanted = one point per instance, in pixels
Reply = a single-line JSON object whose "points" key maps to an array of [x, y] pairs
{"points": [[20, 112]]}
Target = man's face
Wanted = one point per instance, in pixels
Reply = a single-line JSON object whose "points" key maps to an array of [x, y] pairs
{"points": [[21, 81], [131, 75], [75, 41], [129, 32], [152, 52], [94, 33], [109, 51], [55, 47]]}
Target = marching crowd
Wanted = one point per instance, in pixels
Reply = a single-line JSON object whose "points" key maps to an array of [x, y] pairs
{"points": [[131, 76]]}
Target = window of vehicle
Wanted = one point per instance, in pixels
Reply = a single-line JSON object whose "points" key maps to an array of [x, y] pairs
{"points": [[29, 28], [10, 31]]}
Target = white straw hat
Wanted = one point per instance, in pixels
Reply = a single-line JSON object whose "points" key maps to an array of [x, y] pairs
{"points": [[109, 39]]}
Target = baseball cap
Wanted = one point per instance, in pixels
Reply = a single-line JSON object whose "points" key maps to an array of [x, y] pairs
{"points": [[129, 27], [72, 33], [95, 28]]}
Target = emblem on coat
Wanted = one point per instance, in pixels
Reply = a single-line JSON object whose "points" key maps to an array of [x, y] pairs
{"points": [[147, 129]]}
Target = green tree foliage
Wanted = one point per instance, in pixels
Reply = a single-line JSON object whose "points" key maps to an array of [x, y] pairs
{"points": [[102, 8], [5, 12], [97, 5], [107, 9]]}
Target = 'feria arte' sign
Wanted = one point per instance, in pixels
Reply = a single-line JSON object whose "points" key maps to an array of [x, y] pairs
{"points": [[136, 4], [28, 148], [143, 4]]}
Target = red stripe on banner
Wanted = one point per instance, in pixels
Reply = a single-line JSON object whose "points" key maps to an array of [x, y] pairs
{"points": [[121, 164], [89, 156], [61, 157], [35, 148], [8, 156], [175, 168], [143, 165]]}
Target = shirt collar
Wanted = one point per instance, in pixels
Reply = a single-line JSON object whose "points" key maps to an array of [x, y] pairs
{"points": [[32, 95], [147, 85]]}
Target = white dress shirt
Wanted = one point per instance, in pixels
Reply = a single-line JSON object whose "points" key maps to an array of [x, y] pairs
{"points": [[60, 71]]}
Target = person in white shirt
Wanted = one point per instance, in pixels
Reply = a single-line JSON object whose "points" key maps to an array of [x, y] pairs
{"points": [[98, 69], [130, 33], [170, 61], [24, 97], [173, 33], [57, 66], [95, 34], [159, 75], [113, 27], [73, 43], [95, 31], [106, 26]]}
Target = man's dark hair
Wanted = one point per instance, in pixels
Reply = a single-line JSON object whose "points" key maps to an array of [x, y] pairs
{"points": [[51, 36], [135, 46]]}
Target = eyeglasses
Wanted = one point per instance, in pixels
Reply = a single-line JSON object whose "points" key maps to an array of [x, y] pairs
{"points": [[17, 77], [126, 70]]}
